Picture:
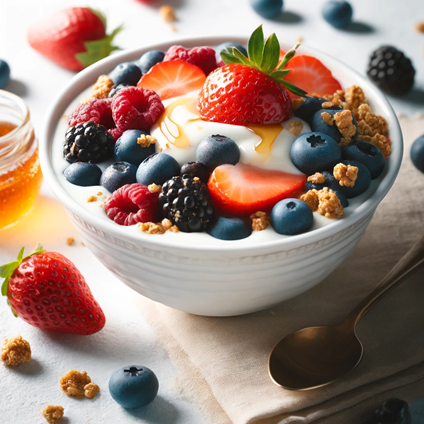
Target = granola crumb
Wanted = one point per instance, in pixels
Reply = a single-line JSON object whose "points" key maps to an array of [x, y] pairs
{"points": [[146, 140], [154, 188], [101, 89], [297, 102], [317, 178], [15, 351], [311, 199], [74, 382], [53, 413], [329, 204], [174, 229], [155, 227], [272, 313], [70, 241], [345, 142], [344, 123], [419, 26], [345, 174], [91, 390], [173, 28], [99, 193], [327, 105], [299, 39], [167, 13], [195, 179], [327, 118], [91, 199], [381, 142], [296, 128], [260, 221]]}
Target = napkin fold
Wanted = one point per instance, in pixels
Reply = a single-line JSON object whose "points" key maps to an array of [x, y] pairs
{"points": [[222, 362]]}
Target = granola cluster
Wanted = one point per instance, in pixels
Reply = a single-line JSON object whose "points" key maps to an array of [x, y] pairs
{"points": [[78, 384], [260, 221], [345, 174], [317, 178], [296, 128], [146, 140], [371, 127], [15, 351], [157, 227], [53, 413], [101, 88], [324, 201], [154, 188]]}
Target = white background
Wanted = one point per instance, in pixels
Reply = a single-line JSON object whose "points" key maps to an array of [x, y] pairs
{"points": [[127, 339]]}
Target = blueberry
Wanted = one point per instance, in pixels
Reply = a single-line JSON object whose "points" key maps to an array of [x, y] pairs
{"points": [[318, 124], [291, 217], [126, 73], [117, 175], [116, 89], [362, 183], [223, 48], [157, 168], [127, 149], [229, 228], [392, 411], [4, 73], [337, 13], [315, 151], [267, 8], [311, 105], [217, 150], [195, 169], [332, 184], [134, 386], [367, 154], [149, 59], [83, 174], [417, 153]]}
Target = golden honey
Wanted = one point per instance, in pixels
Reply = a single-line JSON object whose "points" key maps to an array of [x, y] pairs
{"points": [[20, 173]]}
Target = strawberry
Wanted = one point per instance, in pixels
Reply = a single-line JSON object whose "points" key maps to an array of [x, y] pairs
{"points": [[47, 291], [172, 79], [245, 189], [249, 90], [312, 76], [74, 38], [204, 57]]}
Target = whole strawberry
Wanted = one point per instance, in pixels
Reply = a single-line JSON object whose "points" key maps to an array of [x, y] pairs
{"points": [[249, 90], [74, 38], [46, 290]]}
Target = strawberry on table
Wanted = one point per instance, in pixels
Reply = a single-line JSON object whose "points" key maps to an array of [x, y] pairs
{"points": [[245, 189], [74, 38], [249, 90], [47, 291]]}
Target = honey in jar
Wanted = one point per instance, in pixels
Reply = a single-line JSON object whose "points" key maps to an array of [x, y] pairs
{"points": [[20, 173]]}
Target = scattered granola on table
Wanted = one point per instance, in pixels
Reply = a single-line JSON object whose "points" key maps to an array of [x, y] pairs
{"points": [[91, 390], [167, 13], [75, 383], [345, 174], [15, 351], [70, 241], [53, 413]]}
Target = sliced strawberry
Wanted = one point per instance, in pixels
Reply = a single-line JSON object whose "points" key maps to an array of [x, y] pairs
{"points": [[311, 75], [244, 189], [173, 78]]}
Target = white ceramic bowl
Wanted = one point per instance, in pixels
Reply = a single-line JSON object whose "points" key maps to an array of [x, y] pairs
{"points": [[219, 280]]}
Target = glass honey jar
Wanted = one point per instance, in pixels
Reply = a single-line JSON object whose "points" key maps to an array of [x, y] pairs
{"points": [[20, 172]]}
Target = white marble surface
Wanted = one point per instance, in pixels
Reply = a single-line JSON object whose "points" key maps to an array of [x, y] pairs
{"points": [[127, 338]]}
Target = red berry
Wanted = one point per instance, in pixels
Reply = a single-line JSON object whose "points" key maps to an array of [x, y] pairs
{"points": [[131, 204], [241, 95], [136, 108], [203, 57], [47, 291]]}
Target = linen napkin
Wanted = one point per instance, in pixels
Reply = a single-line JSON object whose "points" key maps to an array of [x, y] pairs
{"points": [[223, 361]]}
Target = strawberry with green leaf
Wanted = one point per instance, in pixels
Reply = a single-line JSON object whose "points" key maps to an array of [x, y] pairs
{"points": [[74, 38], [250, 90], [47, 291]]}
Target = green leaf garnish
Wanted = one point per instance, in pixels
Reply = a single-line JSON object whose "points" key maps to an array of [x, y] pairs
{"points": [[265, 57]]}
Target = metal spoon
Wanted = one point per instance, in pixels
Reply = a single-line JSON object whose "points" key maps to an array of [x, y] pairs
{"points": [[316, 356]]}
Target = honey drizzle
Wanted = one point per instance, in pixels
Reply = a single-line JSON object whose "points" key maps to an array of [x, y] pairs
{"points": [[268, 134]]}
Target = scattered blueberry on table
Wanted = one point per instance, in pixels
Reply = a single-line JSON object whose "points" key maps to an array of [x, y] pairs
{"points": [[133, 386], [4, 73], [417, 153], [229, 228], [267, 8], [338, 13], [117, 175], [291, 217]]}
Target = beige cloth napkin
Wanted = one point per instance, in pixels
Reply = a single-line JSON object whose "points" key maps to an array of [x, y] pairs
{"points": [[223, 361]]}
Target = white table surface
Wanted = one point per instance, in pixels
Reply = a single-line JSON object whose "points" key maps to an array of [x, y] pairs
{"points": [[127, 338]]}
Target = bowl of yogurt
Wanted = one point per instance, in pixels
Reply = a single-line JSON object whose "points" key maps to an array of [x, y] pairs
{"points": [[195, 272]]}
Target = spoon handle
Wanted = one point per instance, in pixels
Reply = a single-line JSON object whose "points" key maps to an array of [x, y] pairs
{"points": [[406, 266]]}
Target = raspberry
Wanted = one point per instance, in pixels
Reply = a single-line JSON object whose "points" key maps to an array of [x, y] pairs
{"points": [[131, 204], [203, 57], [136, 108], [97, 110]]}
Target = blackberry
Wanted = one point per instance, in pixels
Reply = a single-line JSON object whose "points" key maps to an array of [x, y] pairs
{"points": [[185, 201], [391, 71], [88, 142]]}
